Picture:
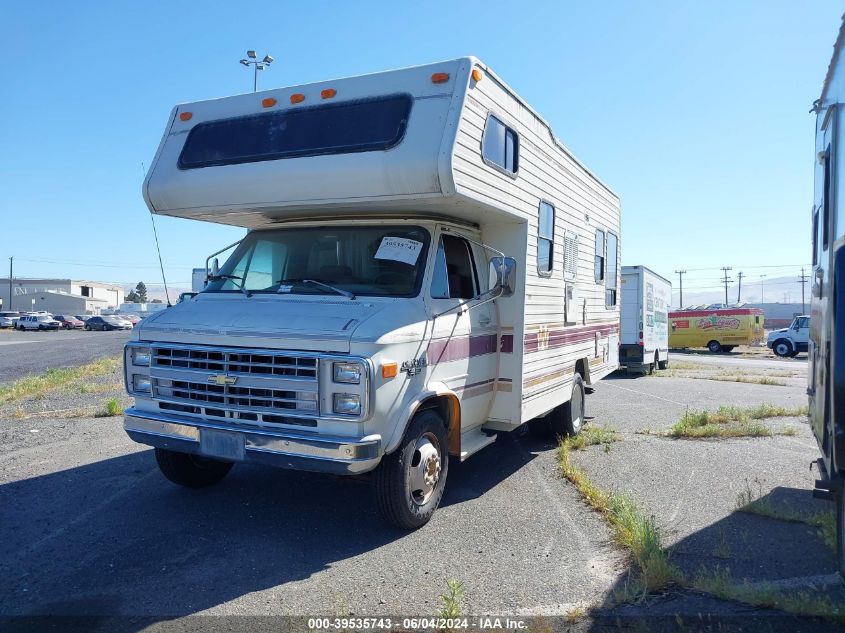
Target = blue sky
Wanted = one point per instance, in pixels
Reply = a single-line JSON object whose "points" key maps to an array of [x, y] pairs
{"points": [[695, 113]]}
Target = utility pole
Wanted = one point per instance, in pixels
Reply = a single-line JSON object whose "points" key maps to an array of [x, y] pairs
{"points": [[725, 270], [739, 290], [11, 269], [680, 274], [803, 279], [762, 277]]}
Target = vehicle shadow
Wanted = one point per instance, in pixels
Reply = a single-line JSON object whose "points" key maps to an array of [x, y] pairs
{"points": [[115, 538], [747, 551]]}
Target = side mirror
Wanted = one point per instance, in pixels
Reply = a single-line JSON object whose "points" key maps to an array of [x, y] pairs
{"points": [[503, 275], [215, 268]]}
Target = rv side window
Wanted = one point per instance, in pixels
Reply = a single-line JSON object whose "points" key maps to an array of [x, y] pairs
{"points": [[610, 292], [546, 240], [500, 146], [826, 200], [599, 256], [454, 272]]}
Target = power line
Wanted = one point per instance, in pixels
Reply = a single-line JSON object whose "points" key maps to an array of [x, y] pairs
{"points": [[725, 270]]}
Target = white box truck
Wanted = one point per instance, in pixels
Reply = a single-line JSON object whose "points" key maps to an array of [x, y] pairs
{"points": [[644, 344], [426, 266]]}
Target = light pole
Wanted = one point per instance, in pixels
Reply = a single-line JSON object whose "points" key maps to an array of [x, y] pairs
{"points": [[762, 277], [252, 60]]}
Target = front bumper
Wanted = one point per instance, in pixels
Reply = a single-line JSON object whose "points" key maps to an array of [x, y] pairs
{"points": [[282, 448]]}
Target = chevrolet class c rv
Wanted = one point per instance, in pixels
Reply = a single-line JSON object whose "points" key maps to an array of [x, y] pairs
{"points": [[426, 266], [826, 371]]}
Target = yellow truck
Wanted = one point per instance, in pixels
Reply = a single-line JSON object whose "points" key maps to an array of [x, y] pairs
{"points": [[718, 330]]}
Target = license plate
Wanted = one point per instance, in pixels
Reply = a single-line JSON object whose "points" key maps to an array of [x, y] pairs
{"points": [[222, 444]]}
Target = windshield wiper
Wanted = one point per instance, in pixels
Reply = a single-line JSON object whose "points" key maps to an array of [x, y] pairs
{"points": [[339, 291], [224, 276]]}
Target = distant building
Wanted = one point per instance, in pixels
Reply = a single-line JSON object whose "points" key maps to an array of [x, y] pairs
{"points": [[778, 315], [59, 296]]}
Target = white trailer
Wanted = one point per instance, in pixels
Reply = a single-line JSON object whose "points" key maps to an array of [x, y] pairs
{"points": [[644, 343], [426, 266]]}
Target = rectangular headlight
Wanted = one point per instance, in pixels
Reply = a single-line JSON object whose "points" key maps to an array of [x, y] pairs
{"points": [[141, 356], [141, 384], [347, 404], [349, 373]]}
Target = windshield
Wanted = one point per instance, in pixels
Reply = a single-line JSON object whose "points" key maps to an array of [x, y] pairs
{"points": [[378, 261]]}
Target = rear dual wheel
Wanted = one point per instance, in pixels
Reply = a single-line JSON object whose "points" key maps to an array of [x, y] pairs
{"points": [[565, 420]]}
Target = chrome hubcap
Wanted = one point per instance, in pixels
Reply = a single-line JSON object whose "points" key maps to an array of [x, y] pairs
{"points": [[425, 469]]}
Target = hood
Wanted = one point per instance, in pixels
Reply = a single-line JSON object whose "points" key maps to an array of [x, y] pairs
{"points": [[780, 331], [265, 321]]}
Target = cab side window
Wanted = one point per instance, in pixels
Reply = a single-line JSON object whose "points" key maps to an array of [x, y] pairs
{"points": [[454, 276]]}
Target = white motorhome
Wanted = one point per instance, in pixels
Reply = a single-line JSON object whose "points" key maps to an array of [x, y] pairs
{"points": [[645, 297], [426, 266]]}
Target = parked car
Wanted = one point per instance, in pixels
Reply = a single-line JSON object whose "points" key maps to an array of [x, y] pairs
{"points": [[792, 340], [7, 319], [132, 318], [107, 323], [69, 322], [37, 322], [82, 317]]}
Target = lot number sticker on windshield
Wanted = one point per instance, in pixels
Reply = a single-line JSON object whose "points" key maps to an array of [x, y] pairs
{"points": [[399, 249]]}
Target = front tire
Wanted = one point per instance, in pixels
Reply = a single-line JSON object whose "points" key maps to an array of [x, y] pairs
{"points": [[410, 481], [191, 471], [714, 346], [782, 348], [87, 328]]}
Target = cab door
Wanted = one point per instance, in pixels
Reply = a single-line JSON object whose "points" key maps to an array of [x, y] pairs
{"points": [[463, 352]]}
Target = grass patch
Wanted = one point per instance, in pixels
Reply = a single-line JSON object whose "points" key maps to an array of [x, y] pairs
{"points": [[632, 529], [593, 436], [451, 599], [111, 409], [755, 503], [730, 421], [753, 380], [720, 584], [52, 379]]}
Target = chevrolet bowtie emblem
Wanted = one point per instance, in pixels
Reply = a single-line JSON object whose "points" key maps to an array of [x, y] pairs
{"points": [[222, 380]]}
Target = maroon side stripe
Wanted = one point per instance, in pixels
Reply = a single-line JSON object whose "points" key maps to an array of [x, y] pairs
{"points": [[559, 338]]}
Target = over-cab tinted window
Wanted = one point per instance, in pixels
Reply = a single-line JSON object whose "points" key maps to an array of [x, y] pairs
{"points": [[339, 128], [500, 146]]}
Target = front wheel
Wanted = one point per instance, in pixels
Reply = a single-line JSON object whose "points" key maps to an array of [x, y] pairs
{"points": [[191, 471], [782, 348], [714, 346], [87, 328], [409, 482]]}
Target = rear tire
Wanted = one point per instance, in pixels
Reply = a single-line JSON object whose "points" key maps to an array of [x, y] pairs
{"points": [[568, 418], [663, 364], [714, 346], [782, 348], [191, 471], [409, 482]]}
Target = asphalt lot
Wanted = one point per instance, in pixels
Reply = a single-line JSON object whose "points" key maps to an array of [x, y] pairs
{"points": [[90, 527], [25, 353]]}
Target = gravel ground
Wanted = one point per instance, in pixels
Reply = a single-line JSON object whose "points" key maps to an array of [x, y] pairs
{"points": [[25, 353], [101, 532]]}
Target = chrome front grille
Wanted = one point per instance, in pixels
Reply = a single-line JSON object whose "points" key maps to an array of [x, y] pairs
{"points": [[255, 386], [235, 362]]}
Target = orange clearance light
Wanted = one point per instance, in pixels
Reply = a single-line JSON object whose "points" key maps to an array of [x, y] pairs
{"points": [[328, 93], [185, 116], [269, 102], [389, 370], [476, 75], [439, 78], [297, 97]]}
